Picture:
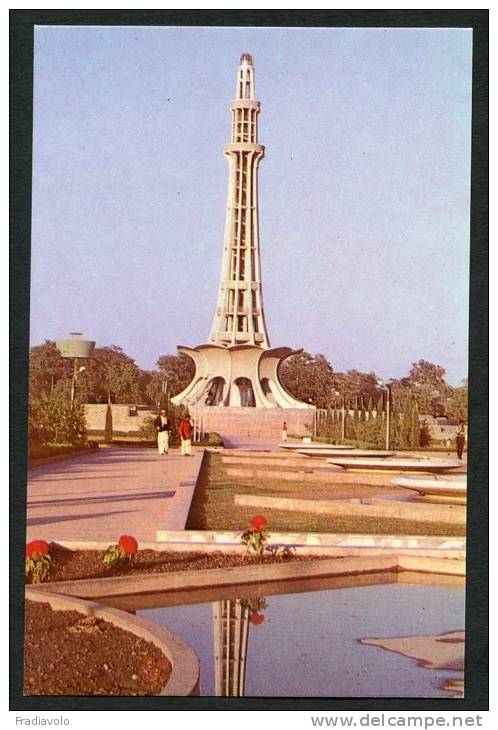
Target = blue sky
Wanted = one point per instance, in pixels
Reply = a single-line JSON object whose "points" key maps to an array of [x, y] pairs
{"points": [[364, 189]]}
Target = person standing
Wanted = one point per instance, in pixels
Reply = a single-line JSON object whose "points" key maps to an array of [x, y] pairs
{"points": [[163, 429], [186, 435], [460, 439], [284, 431]]}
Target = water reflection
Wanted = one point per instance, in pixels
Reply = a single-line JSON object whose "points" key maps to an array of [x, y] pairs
{"points": [[231, 621], [310, 640]]}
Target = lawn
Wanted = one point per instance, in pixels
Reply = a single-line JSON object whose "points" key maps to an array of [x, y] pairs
{"points": [[213, 506]]}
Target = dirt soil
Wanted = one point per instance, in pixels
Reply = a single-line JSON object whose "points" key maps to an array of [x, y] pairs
{"points": [[79, 564], [68, 653]]}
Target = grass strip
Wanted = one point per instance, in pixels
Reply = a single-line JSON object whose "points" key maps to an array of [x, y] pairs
{"points": [[213, 507]]}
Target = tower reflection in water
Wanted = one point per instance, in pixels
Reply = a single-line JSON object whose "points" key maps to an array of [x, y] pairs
{"points": [[231, 620]]}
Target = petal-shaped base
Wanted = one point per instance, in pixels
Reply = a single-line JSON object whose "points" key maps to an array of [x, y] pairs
{"points": [[241, 375]]}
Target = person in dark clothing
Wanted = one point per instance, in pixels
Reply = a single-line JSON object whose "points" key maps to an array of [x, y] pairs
{"points": [[163, 430], [460, 439]]}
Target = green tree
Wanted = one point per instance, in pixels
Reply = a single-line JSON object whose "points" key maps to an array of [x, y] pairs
{"points": [[424, 372], [177, 370], [108, 424], [379, 428], [111, 376], [395, 428], [309, 378], [425, 434], [348, 428], [406, 425], [426, 384], [354, 383], [337, 430], [415, 431], [46, 368], [163, 402], [457, 405], [356, 423]]}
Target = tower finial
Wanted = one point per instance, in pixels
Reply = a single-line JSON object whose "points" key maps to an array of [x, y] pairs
{"points": [[245, 78], [246, 58]]}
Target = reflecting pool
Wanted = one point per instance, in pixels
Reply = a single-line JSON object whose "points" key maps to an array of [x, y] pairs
{"points": [[308, 644]]}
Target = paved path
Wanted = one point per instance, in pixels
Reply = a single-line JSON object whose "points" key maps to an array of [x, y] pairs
{"points": [[103, 494]]}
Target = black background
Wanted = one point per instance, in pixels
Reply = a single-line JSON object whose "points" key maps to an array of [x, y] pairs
{"points": [[21, 109]]}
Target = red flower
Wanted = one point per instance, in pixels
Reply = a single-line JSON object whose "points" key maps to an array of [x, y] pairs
{"points": [[37, 546], [129, 544], [256, 618], [258, 522]]}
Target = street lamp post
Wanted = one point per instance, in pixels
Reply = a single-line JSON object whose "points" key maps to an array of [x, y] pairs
{"points": [[76, 371], [75, 349]]}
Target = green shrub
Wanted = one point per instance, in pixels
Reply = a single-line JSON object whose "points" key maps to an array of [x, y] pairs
{"points": [[214, 439], [52, 419], [425, 434], [42, 451]]}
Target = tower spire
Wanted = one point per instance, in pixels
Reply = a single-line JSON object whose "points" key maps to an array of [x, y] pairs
{"points": [[245, 78], [239, 316]]}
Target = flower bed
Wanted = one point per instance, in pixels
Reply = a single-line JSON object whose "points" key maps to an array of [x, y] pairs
{"points": [[68, 653], [79, 564]]}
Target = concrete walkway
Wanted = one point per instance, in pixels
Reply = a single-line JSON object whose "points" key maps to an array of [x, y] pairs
{"points": [[114, 491]]}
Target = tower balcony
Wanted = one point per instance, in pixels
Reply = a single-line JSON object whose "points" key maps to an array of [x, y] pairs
{"points": [[240, 337], [243, 147], [244, 104]]}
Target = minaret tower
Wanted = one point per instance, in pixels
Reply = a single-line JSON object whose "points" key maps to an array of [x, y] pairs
{"points": [[237, 367], [239, 316]]}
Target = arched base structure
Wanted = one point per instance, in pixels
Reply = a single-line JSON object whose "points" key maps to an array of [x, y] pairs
{"points": [[237, 376]]}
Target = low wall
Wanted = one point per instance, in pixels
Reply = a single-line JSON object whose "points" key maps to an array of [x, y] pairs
{"points": [[95, 414], [159, 589], [179, 505], [332, 545], [449, 514], [311, 540]]}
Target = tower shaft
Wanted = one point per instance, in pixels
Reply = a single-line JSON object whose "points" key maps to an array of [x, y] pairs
{"points": [[239, 316]]}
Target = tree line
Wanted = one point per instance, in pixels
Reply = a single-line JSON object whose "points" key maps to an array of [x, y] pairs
{"points": [[311, 378], [366, 427], [112, 376]]}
